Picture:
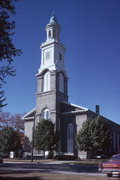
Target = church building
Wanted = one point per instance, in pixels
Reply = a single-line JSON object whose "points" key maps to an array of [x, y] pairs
{"points": [[52, 96]]}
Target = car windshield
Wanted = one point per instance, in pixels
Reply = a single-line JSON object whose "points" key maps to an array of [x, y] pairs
{"points": [[115, 158]]}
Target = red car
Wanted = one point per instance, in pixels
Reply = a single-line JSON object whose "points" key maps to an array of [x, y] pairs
{"points": [[112, 166]]}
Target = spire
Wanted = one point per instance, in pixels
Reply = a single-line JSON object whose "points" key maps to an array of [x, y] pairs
{"points": [[53, 13]]}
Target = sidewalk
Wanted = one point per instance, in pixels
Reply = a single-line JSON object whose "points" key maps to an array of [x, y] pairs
{"points": [[7, 160]]}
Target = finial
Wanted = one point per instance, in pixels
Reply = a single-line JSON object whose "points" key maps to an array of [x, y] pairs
{"points": [[53, 14]]}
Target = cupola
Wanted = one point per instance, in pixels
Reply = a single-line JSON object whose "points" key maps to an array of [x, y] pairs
{"points": [[53, 29]]}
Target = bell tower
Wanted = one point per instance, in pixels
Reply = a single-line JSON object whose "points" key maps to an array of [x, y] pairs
{"points": [[52, 79]]}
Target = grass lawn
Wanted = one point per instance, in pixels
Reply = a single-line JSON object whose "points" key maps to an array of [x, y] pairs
{"points": [[86, 161]]}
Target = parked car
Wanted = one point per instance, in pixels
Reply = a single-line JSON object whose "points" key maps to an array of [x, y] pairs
{"points": [[100, 156], [112, 166], [1, 159]]}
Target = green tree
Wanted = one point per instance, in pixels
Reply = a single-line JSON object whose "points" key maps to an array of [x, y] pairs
{"points": [[83, 138], [9, 140], [45, 136], [94, 136], [7, 49]]}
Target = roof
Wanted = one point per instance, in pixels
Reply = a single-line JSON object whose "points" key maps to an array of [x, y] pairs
{"points": [[29, 115], [73, 109], [76, 106], [75, 112]]}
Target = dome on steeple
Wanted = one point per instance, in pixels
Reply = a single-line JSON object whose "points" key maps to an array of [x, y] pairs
{"points": [[53, 29], [53, 19]]}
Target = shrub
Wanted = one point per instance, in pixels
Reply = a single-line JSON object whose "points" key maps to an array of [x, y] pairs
{"points": [[65, 157]]}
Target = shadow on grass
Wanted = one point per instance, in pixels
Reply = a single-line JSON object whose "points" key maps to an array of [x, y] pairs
{"points": [[23, 178], [13, 172], [17, 173]]}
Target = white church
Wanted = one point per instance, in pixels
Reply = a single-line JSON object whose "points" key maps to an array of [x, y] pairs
{"points": [[52, 96]]}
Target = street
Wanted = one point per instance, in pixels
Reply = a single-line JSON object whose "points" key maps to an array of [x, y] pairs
{"points": [[51, 170]]}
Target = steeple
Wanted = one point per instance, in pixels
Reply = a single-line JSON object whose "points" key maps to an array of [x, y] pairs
{"points": [[53, 29], [52, 86]]}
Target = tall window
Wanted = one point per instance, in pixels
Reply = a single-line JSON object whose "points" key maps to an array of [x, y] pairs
{"points": [[46, 82], [54, 34], [70, 132], [61, 82], [60, 56], [49, 33], [46, 114]]}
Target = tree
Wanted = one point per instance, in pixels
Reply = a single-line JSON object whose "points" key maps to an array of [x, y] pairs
{"points": [[83, 138], [45, 137], [18, 122], [94, 136], [9, 140], [15, 121], [7, 49]]}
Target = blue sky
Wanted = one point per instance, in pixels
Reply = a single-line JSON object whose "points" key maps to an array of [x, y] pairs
{"points": [[91, 35]]}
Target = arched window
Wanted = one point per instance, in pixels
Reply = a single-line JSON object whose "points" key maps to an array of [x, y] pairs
{"points": [[46, 82], [61, 83], [46, 114]]}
